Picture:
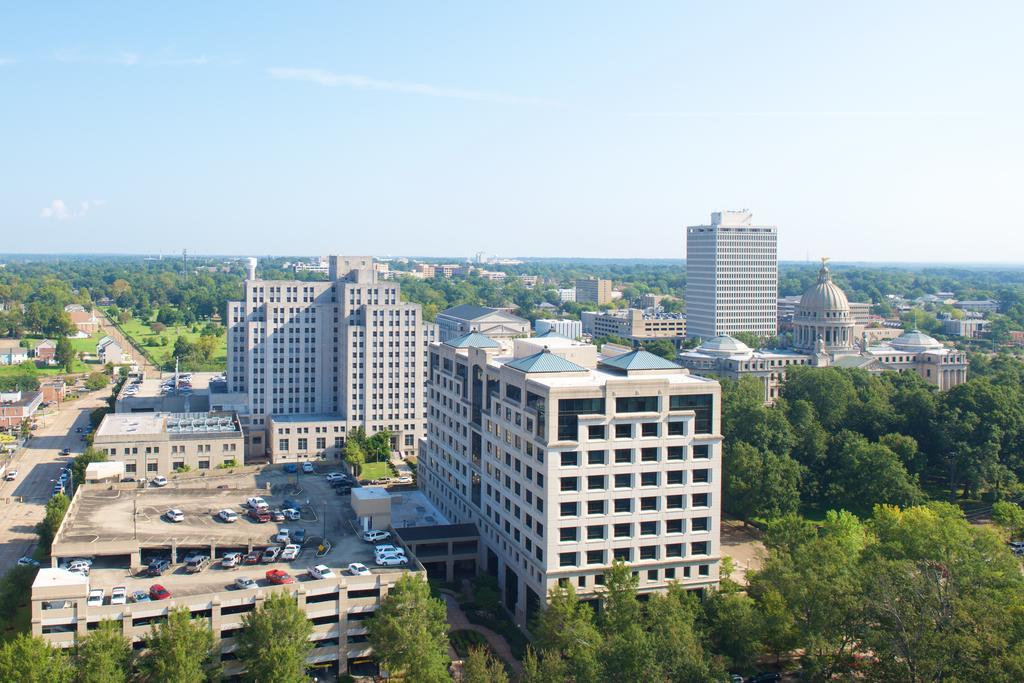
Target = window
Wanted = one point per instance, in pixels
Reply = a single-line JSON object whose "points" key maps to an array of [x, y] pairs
{"points": [[674, 550], [570, 483], [569, 509], [303, 444], [636, 404], [596, 457], [152, 467], [648, 504], [569, 410], [677, 429], [282, 444], [673, 502], [673, 526], [596, 507], [595, 532], [648, 455], [513, 393], [623, 505], [595, 557], [670, 573], [649, 429], [649, 479], [648, 528], [204, 464], [624, 530], [623, 554], [701, 476], [623, 481], [569, 533], [701, 451], [624, 431], [566, 559], [623, 456], [675, 453], [699, 548], [596, 432], [652, 575], [702, 406], [700, 500], [596, 482], [649, 552], [675, 477], [700, 523], [704, 570], [570, 459]]}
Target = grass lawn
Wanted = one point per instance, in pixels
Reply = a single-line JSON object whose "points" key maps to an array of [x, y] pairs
{"points": [[376, 470], [144, 336]]}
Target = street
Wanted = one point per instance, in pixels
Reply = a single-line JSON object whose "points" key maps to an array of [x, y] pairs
{"points": [[23, 501]]}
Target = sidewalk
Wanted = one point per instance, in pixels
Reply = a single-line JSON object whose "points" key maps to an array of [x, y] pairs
{"points": [[459, 622]]}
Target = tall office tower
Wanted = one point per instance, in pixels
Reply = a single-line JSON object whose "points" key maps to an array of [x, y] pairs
{"points": [[320, 358], [594, 291], [566, 461], [732, 277]]}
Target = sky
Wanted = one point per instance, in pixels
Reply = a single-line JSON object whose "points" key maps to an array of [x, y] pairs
{"points": [[868, 131]]}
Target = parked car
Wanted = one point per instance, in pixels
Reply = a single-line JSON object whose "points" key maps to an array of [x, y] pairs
{"points": [[158, 567], [291, 503], [765, 677], [276, 515], [282, 535], [358, 569], [278, 577], [230, 560], [140, 596], [297, 536], [382, 548], [227, 515], [271, 554], [404, 480], [256, 502], [252, 558], [290, 468], [390, 560], [196, 563], [26, 561], [291, 514], [80, 567], [290, 552], [158, 592], [78, 430], [175, 515], [95, 598], [11, 475], [343, 490], [307, 468], [66, 451], [334, 476], [244, 583], [374, 535], [321, 571], [118, 595], [158, 481], [381, 481], [260, 516]]}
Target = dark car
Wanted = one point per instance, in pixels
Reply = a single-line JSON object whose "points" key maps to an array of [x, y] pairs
{"points": [[260, 516], [297, 536], [343, 490], [158, 567], [765, 677], [291, 503], [251, 558]]}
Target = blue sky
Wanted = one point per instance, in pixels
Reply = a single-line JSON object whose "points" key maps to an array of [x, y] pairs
{"points": [[866, 131]]}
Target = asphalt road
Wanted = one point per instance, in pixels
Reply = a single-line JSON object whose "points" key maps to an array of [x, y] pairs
{"points": [[23, 501]]}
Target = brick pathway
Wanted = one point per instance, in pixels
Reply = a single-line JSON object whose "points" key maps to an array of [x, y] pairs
{"points": [[499, 646]]}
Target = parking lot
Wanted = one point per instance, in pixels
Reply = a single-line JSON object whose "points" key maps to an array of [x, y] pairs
{"points": [[114, 521]]}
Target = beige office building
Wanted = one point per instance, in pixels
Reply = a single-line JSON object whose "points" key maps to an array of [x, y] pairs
{"points": [[566, 460], [634, 324], [151, 444], [594, 291], [347, 348]]}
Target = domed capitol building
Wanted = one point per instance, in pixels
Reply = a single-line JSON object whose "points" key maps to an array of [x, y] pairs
{"points": [[823, 335]]}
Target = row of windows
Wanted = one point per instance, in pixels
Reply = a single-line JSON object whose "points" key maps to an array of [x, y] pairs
{"points": [[572, 508], [630, 554]]}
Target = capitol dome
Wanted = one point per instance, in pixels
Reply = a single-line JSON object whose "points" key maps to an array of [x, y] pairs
{"points": [[823, 315], [915, 340], [723, 346]]}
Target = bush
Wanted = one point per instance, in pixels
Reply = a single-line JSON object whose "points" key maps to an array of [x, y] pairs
{"points": [[463, 640]]}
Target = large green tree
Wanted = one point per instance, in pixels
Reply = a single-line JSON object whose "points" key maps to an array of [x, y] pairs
{"points": [[104, 655], [274, 641], [56, 508], [409, 632], [31, 660], [181, 650], [565, 629], [65, 354], [483, 667]]}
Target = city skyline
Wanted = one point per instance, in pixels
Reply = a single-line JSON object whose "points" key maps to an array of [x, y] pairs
{"points": [[861, 132]]}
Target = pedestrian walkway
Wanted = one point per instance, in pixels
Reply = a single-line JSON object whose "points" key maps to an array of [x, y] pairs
{"points": [[458, 621]]}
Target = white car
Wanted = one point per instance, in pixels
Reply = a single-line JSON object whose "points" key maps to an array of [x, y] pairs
{"points": [[230, 560], [404, 480], [290, 552], [256, 502], [175, 515], [335, 476], [322, 571], [386, 548], [376, 535], [282, 535], [227, 515], [244, 583], [79, 567], [358, 569], [12, 475], [95, 598], [158, 481], [118, 595], [390, 560], [291, 514], [307, 468]]}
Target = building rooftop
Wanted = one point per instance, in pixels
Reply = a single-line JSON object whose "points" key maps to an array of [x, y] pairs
{"points": [[468, 311], [48, 577], [473, 339], [151, 424], [639, 360], [544, 361]]}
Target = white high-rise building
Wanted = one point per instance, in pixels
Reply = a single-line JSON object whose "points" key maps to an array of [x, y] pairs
{"points": [[566, 460], [732, 277], [316, 359]]}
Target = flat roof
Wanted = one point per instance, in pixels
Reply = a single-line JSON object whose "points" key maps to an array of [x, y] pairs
{"points": [[150, 424], [48, 577]]}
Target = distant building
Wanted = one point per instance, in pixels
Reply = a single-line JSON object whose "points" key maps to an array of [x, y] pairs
{"points": [[732, 277], [18, 406], [12, 352], [109, 351], [573, 329], [495, 323], [980, 306], [594, 291], [651, 300], [634, 324], [319, 267], [529, 281], [54, 389], [968, 328], [567, 295], [45, 352], [84, 321]]}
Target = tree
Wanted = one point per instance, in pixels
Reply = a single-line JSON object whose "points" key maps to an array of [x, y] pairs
{"points": [[96, 380], [482, 667], [760, 483], [734, 627], [355, 456], [627, 651], [661, 347], [31, 660], [1009, 517], [274, 641], [78, 465], [565, 629], [56, 508], [65, 354], [678, 651], [409, 632], [181, 650], [379, 446], [104, 655], [545, 669]]}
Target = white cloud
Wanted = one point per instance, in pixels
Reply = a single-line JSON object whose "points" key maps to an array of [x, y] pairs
{"points": [[330, 79], [62, 212]]}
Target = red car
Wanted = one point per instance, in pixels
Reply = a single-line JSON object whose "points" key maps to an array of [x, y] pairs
{"points": [[278, 577], [158, 592], [251, 558], [258, 516]]}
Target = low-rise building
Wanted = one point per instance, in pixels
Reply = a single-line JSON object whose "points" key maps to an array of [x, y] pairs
{"points": [[634, 324], [573, 329], [46, 352], [493, 322], [969, 328], [84, 321], [151, 444], [292, 438], [54, 389], [979, 306], [567, 295], [17, 407], [12, 352], [109, 351]]}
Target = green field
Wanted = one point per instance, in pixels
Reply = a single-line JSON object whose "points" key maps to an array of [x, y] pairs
{"points": [[376, 470], [152, 342], [87, 345]]}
